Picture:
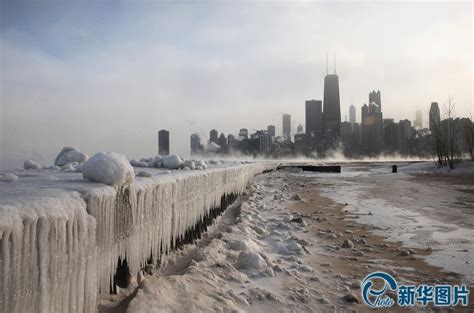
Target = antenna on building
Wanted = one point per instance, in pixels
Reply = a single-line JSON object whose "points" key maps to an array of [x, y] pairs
{"points": [[334, 62], [327, 63]]}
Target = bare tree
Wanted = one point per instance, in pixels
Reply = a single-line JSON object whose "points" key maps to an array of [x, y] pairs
{"points": [[468, 127], [437, 141], [450, 133]]}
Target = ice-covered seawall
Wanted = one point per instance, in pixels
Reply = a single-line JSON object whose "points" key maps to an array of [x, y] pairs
{"points": [[61, 236]]}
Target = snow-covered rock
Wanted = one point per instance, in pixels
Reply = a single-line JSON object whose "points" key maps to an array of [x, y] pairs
{"points": [[251, 260], [201, 164], [155, 162], [8, 177], [172, 161], [190, 164], [31, 165], [70, 167], [69, 155], [145, 174], [108, 168], [137, 163]]}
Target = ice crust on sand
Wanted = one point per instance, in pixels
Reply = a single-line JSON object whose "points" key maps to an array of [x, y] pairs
{"points": [[109, 168]]}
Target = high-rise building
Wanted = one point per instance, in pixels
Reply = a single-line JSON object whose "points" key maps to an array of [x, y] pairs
{"points": [[244, 132], [271, 130], [352, 114], [222, 141], [195, 143], [375, 97], [299, 129], [163, 142], [434, 116], [418, 119], [372, 125], [331, 107], [213, 136], [287, 126], [314, 116]]}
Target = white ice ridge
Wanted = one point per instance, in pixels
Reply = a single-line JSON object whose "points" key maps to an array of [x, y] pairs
{"points": [[61, 236]]}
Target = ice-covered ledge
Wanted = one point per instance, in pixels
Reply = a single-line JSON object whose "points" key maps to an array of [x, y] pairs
{"points": [[62, 236]]}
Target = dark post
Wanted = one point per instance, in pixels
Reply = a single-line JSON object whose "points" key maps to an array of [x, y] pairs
{"points": [[394, 168]]}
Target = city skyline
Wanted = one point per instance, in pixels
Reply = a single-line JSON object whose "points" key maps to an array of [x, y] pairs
{"points": [[138, 71]]}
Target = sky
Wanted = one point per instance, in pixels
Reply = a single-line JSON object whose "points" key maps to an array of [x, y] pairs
{"points": [[106, 76]]}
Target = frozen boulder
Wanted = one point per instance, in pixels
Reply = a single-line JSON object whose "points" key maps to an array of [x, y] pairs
{"points": [[8, 177], [137, 163], [155, 162], [190, 164], [31, 165], [251, 260], [108, 168], [70, 167], [172, 161], [69, 155], [145, 174], [201, 164]]}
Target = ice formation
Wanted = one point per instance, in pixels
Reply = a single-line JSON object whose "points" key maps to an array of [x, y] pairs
{"points": [[137, 163], [31, 165], [108, 168], [70, 155], [172, 161], [8, 177], [60, 245]]}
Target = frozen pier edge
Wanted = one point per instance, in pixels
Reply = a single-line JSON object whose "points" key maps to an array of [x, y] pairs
{"points": [[61, 236]]}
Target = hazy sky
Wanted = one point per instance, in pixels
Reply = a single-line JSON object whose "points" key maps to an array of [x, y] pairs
{"points": [[107, 77]]}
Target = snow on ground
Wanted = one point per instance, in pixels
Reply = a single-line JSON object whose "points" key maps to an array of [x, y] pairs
{"points": [[255, 260], [429, 212]]}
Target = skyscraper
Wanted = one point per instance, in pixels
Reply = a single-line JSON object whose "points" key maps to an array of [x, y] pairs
{"points": [[352, 114], [244, 132], [375, 97], [213, 136], [271, 130], [331, 107], [163, 142], [418, 119], [299, 129], [287, 126], [314, 116], [195, 143], [434, 116]]}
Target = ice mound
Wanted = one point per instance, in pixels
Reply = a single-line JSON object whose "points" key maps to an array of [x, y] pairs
{"points": [[108, 168], [31, 165], [251, 260], [70, 155], [155, 162], [172, 162], [137, 163], [190, 164], [8, 177], [201, 164]]}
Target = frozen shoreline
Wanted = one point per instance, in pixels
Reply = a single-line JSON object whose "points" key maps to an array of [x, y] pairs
{"points": [[419, 214], [62, 236]]}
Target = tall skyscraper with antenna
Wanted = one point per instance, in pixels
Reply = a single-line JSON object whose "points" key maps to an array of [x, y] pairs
{"points": [[331, 105]]}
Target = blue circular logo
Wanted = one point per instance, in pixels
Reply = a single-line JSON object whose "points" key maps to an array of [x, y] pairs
{"points": [[375, 297]]}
